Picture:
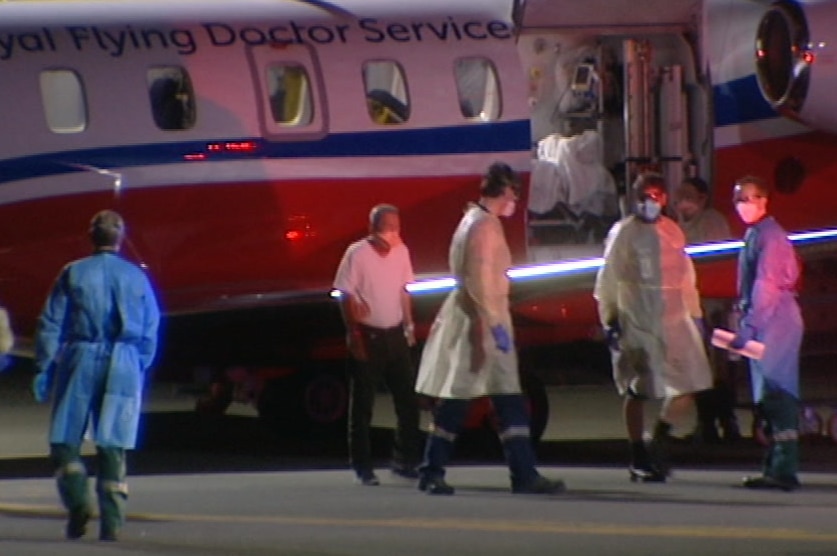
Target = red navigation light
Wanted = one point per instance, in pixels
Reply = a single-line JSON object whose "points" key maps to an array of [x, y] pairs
{"points": [[240, 146], [232, 146], [808, 57]]}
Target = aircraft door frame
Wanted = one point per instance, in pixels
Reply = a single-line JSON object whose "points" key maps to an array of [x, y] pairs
{"points": [[260, 59]]}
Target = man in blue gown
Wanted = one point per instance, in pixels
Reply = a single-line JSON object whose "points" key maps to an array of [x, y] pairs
{"points": [[96, 338]]}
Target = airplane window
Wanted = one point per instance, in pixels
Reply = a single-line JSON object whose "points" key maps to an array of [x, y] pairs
{"points": [[172, 98], [386, 92], [479, 89], [62, 94], [290, 95]]}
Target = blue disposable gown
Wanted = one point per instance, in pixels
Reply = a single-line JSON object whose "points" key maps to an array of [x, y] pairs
{"points": [[97, 335], [768, 271]]}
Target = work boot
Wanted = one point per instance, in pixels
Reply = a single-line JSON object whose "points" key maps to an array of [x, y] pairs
{"points": [[767, 482], [641, 469], [435, 485], [77, 523], [539, 485], [731, 432], [108, 535], [659, 448], [646, 474], [367, 477], [405, 471]]}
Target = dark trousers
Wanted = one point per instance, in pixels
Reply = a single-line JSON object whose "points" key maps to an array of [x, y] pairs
{"points": [[448, 418], [780, 412], [388, 360], [111, 488]]}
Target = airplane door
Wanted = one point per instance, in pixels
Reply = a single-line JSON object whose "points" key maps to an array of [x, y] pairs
{"points": [[289, 92], [615, 89]]}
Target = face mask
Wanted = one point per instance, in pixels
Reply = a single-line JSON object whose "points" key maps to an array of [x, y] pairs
{"points": [[508, 210], [391, 237], [649, 210], [748, 212]]}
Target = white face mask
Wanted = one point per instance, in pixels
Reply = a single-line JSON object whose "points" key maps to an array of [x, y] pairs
{"points": [[391, 237], [649, 210], [508, 210], [749, 212]]}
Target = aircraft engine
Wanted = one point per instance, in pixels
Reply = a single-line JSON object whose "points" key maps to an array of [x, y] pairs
{"points": [[796, 46]]}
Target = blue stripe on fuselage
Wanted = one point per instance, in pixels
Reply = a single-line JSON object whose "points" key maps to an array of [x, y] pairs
{"points": [[740, 101], [467, 139]]}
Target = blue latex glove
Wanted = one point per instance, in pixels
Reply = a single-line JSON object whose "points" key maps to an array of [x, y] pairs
{"points": [[502, 339], [745, 334], [41, 387], [613, 333]]}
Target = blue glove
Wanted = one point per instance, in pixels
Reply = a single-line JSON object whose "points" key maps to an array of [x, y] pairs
{"points": [[613, 333], [41, 387], [501, 337], [745, 334]]}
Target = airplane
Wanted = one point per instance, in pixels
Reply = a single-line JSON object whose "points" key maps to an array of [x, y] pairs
{"points": [[245, 142]]}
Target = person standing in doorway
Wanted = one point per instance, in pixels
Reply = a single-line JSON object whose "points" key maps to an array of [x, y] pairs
{"points": [[715, 406], [377, 311]]}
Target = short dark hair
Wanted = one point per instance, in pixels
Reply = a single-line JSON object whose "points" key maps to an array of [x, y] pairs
{"points": [[699, 184], [649, 180], [760, 184], [107, 228], [376, 215], [497, 178]]}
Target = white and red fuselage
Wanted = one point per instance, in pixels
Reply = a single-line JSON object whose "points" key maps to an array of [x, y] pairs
{"points": [[237, 208]]}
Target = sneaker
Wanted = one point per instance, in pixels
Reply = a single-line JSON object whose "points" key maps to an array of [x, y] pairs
{"points": [[405, 471], [646, 474], [77, 524], [539, 485], [435, 485], [767, 482], [367, 478]]}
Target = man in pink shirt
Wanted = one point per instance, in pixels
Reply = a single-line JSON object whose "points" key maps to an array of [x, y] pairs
{"points": [[376, 307]]}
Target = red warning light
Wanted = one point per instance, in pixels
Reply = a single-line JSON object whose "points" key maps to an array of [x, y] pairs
{"points": [[241, 146], [232, 146], [808, 57]]}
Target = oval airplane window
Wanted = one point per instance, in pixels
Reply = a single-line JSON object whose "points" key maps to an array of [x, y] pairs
{"points": [[386, 92], [290, 95], [62, 94], [479, 89], [172, 97]]}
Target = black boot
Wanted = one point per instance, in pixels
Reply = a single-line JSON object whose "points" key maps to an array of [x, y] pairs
{"points": [[641, 468], [660, 446]]}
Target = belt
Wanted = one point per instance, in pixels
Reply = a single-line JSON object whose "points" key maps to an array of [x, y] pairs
{"points": [[397, 328]]}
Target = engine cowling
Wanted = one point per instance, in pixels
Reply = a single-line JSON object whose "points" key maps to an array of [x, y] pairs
{"points": [[796, 51]]}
